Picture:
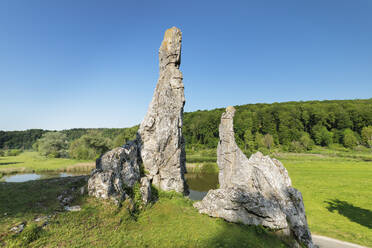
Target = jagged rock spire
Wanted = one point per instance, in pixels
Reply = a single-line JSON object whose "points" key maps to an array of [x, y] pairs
{"points": [[254, 191], [159, 144], [162, 147]]}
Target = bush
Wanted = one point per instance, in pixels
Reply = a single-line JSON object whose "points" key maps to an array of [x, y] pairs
{"points": [[349, 139], [52, 144], [13, 152], [268, 141], [322, 136], [367, 136], [295, 146], [89, 146], [306, 142]]}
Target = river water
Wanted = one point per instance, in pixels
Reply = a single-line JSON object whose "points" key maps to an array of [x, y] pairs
{"points": [[24, 177], [199, 184]]}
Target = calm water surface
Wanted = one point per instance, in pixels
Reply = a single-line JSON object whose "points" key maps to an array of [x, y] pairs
{"points": [[199, 184], [19, 178]]}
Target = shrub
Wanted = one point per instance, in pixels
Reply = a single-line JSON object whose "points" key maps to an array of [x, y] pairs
{"points": [[322, 136], [296, 146], [367, 136], [306, 142], [52, 144], [349, 139], [13, 152], [258, 139], [89, 146], [268, 141]]}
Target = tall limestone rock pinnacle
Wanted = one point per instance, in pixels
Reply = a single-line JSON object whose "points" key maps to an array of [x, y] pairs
{"points": [[255, 191], [162, 146], [159, 145]]}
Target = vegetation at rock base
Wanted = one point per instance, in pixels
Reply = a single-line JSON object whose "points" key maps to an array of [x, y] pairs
{"points": [[170, 222]]}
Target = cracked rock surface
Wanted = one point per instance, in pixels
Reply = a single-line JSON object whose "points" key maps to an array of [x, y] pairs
{"points": [[254, 191], [115, 170], [159, 147], [162, 146]]}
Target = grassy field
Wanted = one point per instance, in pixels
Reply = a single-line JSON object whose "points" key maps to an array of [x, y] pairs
{"points": [[33, 162], [337, 194], [170, 222], [336, 185]]}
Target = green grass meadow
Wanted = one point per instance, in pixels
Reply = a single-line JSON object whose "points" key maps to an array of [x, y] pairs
{"points": [[336, 186], [337, 193], [33, 162], [170, 222]]}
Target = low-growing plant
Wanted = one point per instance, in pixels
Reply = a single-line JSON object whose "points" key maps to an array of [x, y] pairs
{"points": [[12, 152], [28, 235]]}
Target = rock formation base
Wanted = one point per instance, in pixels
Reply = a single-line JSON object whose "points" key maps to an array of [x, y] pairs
{"points": [[254, 191]]}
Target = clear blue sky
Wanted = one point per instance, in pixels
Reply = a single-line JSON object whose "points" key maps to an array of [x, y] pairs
{"points": [[75, 63]]}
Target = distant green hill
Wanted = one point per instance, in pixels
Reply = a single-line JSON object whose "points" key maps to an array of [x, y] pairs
{"points": [[289, 124]]}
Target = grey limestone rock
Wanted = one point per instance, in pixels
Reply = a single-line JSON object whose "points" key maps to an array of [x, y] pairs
{"points": [[145, 190], [159, 145], [160, 136], [254, 191], [115, 170]]}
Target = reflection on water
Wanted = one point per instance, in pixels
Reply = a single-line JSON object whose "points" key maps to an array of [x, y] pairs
{"points": [[19, 178], [199, 184]]}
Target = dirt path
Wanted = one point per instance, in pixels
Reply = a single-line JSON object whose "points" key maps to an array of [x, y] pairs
{"points": [[325, 242]]}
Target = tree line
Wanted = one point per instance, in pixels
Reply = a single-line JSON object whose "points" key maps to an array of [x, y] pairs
{"points": [[291, 126]]}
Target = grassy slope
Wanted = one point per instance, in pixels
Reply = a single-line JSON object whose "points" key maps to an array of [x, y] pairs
{"points": [[171, 222], [32, 161]]}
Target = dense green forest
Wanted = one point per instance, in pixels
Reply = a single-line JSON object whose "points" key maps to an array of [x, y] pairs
{"points": [[325, 122], [292, 126]]}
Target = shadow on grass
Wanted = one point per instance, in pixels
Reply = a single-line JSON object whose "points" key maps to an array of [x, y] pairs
{"points": [[35, 197], [237, 236], [8, 163], [356, 214]]}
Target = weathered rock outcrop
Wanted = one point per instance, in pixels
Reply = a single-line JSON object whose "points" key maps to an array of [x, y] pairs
{"points": [[115, 170], [159, 144], [254, 191], [160, 137]]}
